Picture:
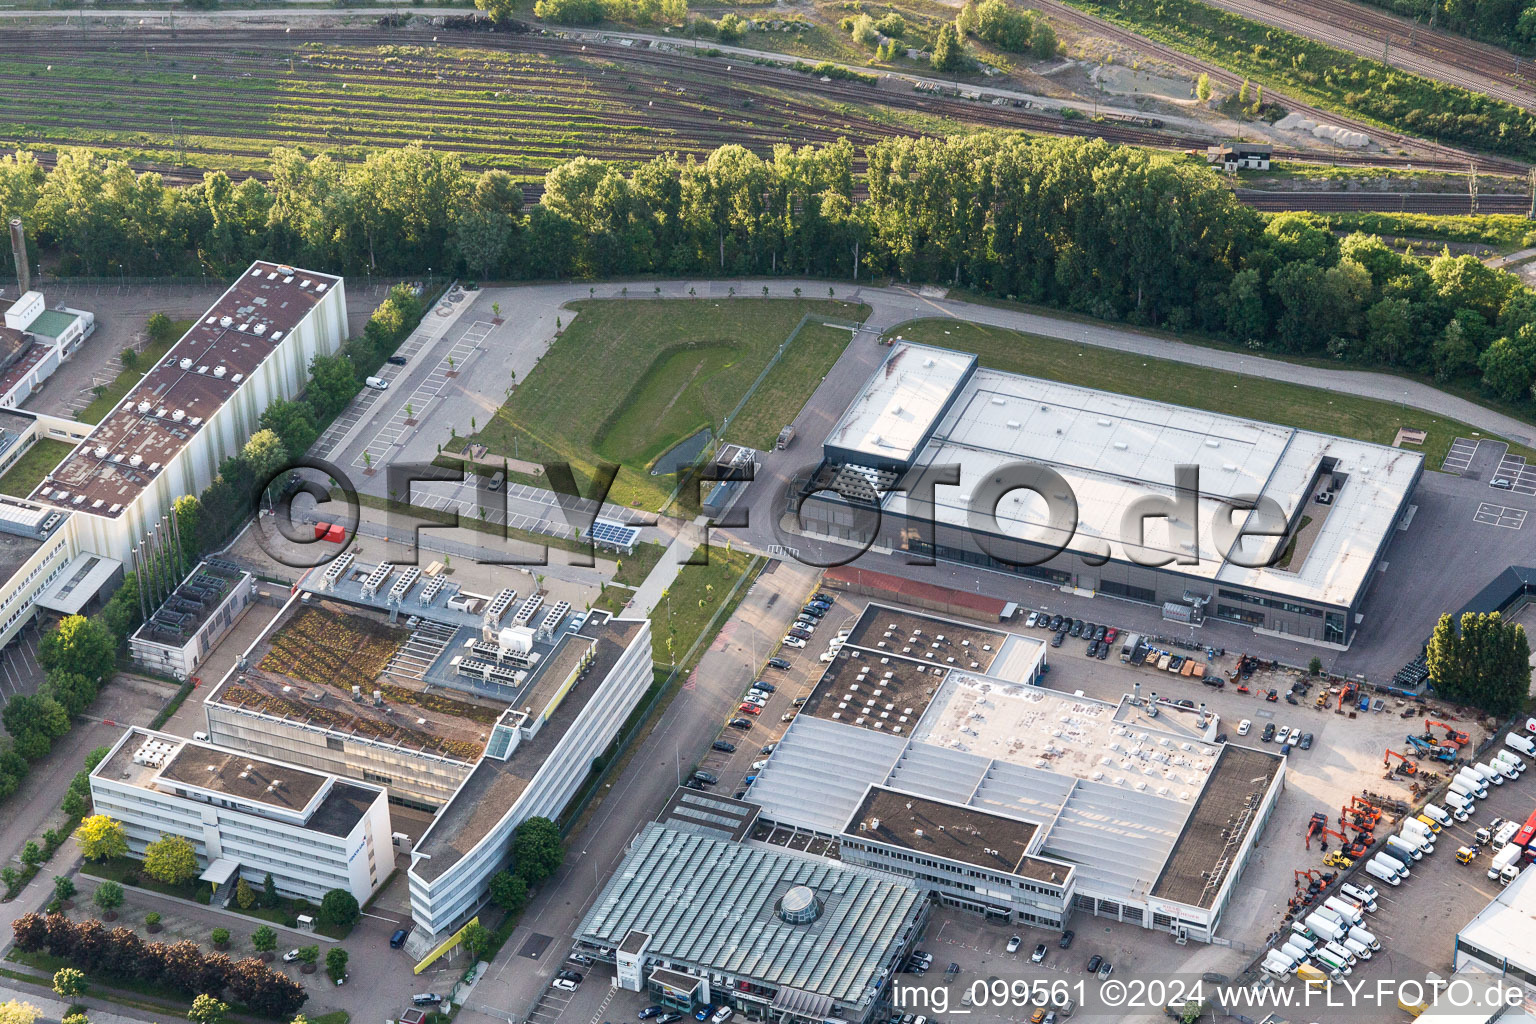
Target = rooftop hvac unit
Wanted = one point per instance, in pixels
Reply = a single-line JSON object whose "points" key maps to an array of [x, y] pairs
{"points": [[185, 364], [101, 451], [219, 371], [135, 460], [179, 415], [225, 321]]}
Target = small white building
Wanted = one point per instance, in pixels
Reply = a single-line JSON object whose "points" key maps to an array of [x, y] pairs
{"points": [[1501, 939], [247, 816], [179, 634]]}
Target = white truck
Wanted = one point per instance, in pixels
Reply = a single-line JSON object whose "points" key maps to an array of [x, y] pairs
{"points": [[1507, 859], [1523, 744], [1325, 927], [1132, 640], [1348, 912]]}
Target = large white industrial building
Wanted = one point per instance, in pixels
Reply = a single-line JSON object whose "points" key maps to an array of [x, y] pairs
{"points": [[165, 439], [1103, 516], [928, 749], [247, 816]]}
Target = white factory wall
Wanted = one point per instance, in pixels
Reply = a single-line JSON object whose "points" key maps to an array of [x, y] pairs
{"points": [[442, 904]]}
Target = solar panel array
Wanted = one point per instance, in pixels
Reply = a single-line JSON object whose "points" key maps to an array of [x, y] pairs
{"points": [[606, 531], [404, 584], [526, 610], [336, 569], [376, 578]]}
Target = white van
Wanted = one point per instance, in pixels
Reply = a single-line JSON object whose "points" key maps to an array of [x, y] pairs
{"points": [[377, 383], [1355, 946], [1338, 950], [1403, 850], [1332, 961], [1510, 758], [1361, 935], [1521, 743], [1392, 862], [1382, 873], [1438, 813], [1460, 805], [1363, 894], [1488, 772], [1466, 790]]}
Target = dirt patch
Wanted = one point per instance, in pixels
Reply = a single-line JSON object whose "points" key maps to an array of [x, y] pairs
{"points": [[1124, 81]]}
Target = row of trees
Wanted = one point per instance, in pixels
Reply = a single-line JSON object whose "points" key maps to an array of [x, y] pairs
{"points": [[78, 656], [1510, 23], [1112, 232], [1483, 661], [120, 953], [537, 853]]}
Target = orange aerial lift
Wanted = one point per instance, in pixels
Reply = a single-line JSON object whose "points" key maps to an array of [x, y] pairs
{"points": [[1347, 695]]}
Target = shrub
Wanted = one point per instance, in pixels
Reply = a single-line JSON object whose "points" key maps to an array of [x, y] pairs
{"points": [[108, 896], [336, 963], [152, 919], [731, 28], [863, 31], [244, 897], [892, 24], [339, 908], [219, 936], [69, 982], [63, 887], [264, 939], [170, 859]]}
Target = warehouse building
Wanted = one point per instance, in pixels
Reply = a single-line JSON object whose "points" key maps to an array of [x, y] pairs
{"points": [[1096, 509], [484, 709], [928, 749], [166, 438], [1501, 940], [247, 816], [694, 918]]}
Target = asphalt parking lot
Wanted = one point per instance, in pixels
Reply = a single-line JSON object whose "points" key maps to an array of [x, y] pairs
{"points": [[1417, 921], [1346, 758]]}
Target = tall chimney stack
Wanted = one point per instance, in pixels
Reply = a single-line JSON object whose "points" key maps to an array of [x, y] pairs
{"points": [[19, 251]]}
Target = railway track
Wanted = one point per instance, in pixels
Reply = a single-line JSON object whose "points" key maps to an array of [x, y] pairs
{"points": [[1438, 203], [244, 52], [1088, 23], [1378, 34]]}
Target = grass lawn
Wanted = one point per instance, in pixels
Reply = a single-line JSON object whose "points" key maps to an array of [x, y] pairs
{"points": [[130, 871], [21, 479], [776, 401], [1220, 391], [628, 380], [113, 393], [692, 600]]}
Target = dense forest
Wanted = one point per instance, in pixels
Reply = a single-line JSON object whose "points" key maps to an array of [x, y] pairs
{"points": [[1508, 23], [1113, 232]]}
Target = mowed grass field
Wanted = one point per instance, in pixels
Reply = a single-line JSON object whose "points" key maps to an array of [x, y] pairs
{"points": [[629, 379], [1219, 391]]}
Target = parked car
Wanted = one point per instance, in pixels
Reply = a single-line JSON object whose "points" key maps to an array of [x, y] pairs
{"points": [[708, 778], [426, 999], [758, 766], [739, 723], [1101, 633], [799, 633], [582, 958], [1094, 962], [1092, 649], [566, 986], [396, 360], [788, 716], [814, 610], [1269, 731], [1306, 741], [290, 956], [1504, 483], [398, 939], [1076, 630], [570, 976], [1112, 635], [649, 1012], [793, 641], [1282, 734], [799, 702], [1034, 617], [1244, 726], [723, 1014], [749, 709], [669, 1018], [1066, 939], [767, 748], [778, 662], [704, 1012], [1014, 943], [1058, 638], [767, 687], [755, 699], [1038, 956], [1056, 623], [1105, 969], [724, 746], [1103, 650]]}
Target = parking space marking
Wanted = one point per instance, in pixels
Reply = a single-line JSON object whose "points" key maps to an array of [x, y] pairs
{"points": [[1460, 456], [377, 449], [1489, 514], [1521, 476]]}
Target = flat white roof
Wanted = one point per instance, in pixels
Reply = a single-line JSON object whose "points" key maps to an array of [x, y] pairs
{"points": [[1504, 927], [898, 406], [1112, 450]]}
